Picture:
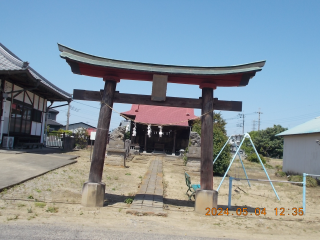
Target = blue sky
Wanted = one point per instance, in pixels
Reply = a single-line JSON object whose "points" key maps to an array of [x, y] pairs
{"points": [[201, 33]]}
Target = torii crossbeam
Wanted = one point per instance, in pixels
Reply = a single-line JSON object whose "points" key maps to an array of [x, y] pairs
{"points": [[111, 71]]}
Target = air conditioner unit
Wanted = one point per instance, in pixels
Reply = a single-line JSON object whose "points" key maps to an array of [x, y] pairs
{"points": [[8, 142]]}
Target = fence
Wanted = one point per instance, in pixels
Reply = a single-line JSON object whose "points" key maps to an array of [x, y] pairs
{"points": [[54, 141], [304, 183], [304, 189]]}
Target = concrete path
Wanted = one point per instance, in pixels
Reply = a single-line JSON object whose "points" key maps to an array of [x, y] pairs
{"points": [[17, 168], [149, 199]]}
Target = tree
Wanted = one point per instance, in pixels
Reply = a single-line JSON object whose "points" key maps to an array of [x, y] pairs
{"points": [[219, 139], [266, 142], [81, 138]]}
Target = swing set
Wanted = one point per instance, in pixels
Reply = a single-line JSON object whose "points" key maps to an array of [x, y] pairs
{"points": [[246, 135]]}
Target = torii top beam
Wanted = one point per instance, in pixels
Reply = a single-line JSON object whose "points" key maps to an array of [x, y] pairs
{"points": [[211, 77]]}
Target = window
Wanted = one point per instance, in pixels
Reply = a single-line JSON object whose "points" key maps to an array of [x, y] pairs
{"points": [[20, 119], [36, 115]]}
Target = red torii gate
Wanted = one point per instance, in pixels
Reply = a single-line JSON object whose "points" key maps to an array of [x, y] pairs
{"points": [[111, 71]]}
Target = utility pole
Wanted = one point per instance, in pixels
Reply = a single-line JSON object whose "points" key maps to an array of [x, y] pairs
{"points": [[253, 125], [68, 116], [242, 125], [259, 119]]}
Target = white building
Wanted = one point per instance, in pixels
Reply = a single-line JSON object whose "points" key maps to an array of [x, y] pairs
{"points": [[301, 151], [24, 94]]}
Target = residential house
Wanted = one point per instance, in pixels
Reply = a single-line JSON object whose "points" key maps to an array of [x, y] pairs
{"points": [[24, 95]]}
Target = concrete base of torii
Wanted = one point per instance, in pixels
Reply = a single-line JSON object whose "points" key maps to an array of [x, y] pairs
{"points": [[93, 194], [205, 199]]}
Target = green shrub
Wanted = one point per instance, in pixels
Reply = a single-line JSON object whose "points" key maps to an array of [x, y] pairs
{"points": [[281, 174], [128, 200], [254, 158], [311, 182], [52, 209]]}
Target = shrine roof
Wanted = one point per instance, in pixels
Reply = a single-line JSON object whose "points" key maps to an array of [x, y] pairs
{"points": [[13, 66], [159, 115], [90, 65]]}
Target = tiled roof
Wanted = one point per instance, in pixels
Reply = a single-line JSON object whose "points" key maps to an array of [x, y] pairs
{"points": [[312, 126], [10, 62], [161, 115], [51, 122], [89, 126]]}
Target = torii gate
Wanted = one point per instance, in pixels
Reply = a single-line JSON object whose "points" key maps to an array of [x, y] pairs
{"points": [[111, 71]]}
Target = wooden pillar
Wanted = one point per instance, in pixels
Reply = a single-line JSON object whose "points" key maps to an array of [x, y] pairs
{"points": [[206, 172], [174, 142], [100, 144]]}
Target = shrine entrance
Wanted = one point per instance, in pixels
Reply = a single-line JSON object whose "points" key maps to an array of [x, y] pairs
{"points": [[111, 71]]}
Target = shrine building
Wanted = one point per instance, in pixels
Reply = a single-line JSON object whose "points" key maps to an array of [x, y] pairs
{"points": [[174, 123]]}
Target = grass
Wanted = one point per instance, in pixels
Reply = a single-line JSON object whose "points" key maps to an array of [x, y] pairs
{"points": [[40, 204], [52, 209], [116, 178], [268, 166], [29, 210], [33, 216], [128, 200], [21, 205], [38, 190], [15, 217], [113, 189], [128, 174], [280, 174], [311, 182], [30, 197]]}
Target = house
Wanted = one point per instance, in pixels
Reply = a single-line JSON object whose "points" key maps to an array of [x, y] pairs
{"points": [[169, 127], [301, 152], [24, 94], [75, 126], [52, 120]]}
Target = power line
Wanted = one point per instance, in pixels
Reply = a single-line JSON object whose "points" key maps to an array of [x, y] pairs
{"points": [[86, 104]]}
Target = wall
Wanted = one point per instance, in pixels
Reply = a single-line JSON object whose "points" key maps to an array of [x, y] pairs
{"points": [[27, 97], [301, 153]]}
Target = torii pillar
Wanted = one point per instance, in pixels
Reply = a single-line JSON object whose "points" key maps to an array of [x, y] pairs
{"points": [[93, 190], [206, 197]]}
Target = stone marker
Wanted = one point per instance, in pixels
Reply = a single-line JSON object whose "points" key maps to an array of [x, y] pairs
{"points": [[116, 152]]}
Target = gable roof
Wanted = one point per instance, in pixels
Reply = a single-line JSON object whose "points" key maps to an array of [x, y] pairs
{"points": [[11, 64], [312, 126], [161, 115], [51, 110], [82, 123], [51, 122]]}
